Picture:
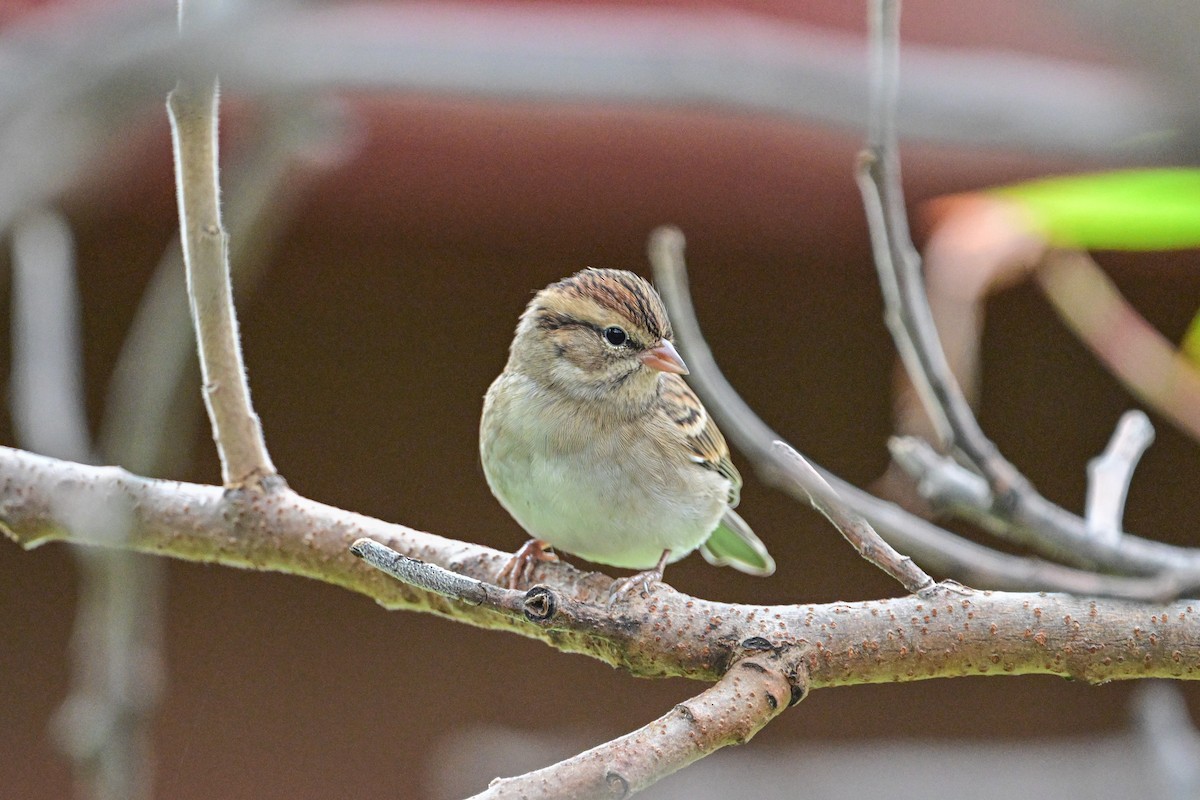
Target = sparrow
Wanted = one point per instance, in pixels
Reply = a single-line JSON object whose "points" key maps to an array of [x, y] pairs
{"points": [[593, 442]]}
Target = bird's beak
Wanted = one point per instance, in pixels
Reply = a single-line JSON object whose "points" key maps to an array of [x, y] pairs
{"points": [[664, 358]]}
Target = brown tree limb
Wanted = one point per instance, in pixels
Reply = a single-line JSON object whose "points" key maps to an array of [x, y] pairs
{"points": [[753, 692], [948, 632], [237, 430]]}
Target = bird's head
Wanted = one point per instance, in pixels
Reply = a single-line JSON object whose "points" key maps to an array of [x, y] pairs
{"points": [[601, 335]]}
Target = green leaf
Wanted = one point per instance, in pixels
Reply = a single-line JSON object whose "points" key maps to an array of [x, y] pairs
{"points": [[1191, 341], [1149, 209]]}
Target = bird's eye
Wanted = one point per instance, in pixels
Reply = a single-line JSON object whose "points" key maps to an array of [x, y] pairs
{"points": [[615, 336]]}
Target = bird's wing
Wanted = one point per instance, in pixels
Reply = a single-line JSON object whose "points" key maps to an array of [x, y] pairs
{"points": [[700, 433], [733, 544]]}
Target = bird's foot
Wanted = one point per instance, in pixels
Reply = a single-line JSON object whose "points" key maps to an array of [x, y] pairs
{"points": [[622, 588], [521, 565]]}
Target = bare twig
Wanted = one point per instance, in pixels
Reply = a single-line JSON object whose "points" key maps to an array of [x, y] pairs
{"points": [[907, 311], [429, 577], [851, 525], [933, 546], [940, 479], [1109, 474], [237, 430], [667, 633], [950, 486], [149, 411], [1019, 512], [753, 692]]}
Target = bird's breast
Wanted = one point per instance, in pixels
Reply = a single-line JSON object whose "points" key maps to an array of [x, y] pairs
{"points": [[604, 490]]}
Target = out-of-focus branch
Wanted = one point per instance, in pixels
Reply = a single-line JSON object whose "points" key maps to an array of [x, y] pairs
{"points": [[1160, 715], [1138, 355], [127, 52], [667, 633], [237, 430], [104, 724], [1019, 511], [752, 693], [47, 380]]}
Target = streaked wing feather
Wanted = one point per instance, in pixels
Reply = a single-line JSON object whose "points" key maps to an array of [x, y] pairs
{"points": [[705, 441]]}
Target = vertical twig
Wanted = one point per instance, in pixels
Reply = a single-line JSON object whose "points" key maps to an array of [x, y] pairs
{"points": [[237, 430], [104, 724], [149, 410], [47, 370], [1110, 473], [1172, 743]]}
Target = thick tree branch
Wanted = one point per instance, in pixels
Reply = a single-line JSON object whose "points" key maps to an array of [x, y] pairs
{"points": [[948, 632], [753, 692]]}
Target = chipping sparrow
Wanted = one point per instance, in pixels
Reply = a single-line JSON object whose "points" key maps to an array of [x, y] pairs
{"points": [[596, 446]]}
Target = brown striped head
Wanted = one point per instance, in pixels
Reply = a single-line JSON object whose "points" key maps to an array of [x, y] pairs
{"points": [[601, 334]]}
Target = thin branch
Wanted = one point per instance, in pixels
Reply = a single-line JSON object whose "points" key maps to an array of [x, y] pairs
{"points": [[797, 475], [949, 486], [1019, 512], [940, 479], [752, 693], [947, 632], [1110, 473], [429, 577], [237, 430], [852, 526], [933, 546], [149, 410]]}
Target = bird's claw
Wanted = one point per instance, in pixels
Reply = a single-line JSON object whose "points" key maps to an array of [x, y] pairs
{"points": [[520, 567], [622, 588]]}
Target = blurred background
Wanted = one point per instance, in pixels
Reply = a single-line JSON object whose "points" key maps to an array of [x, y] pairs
{"points": [[398, 179]]}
